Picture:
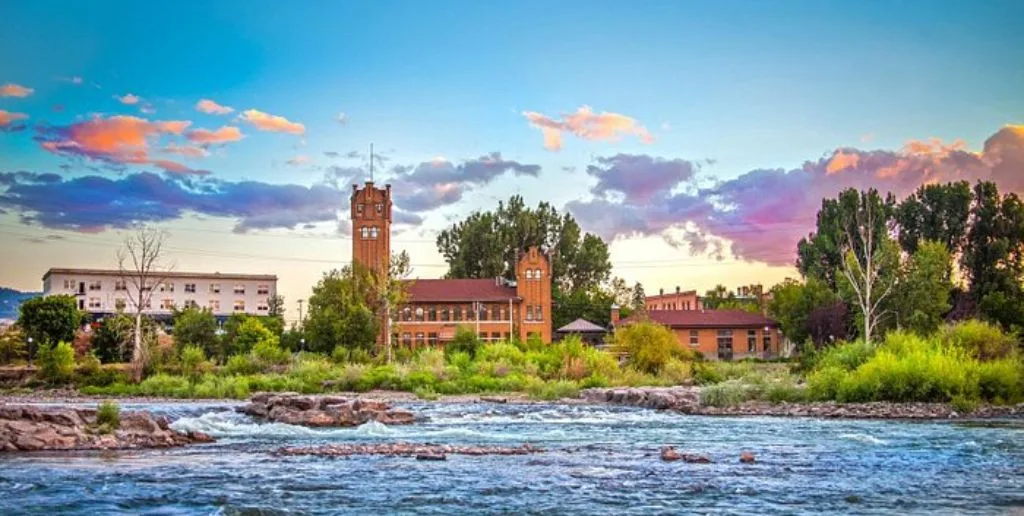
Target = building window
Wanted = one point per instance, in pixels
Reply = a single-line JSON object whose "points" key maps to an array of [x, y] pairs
{"points": [[457, 313], [359, 209], [483, 336], [494, 313], [262, 290], [119, 285], [432, 338], [419, 338], [373, 233], [407, 314], [501, 314], [529, 273], [537, 274], [445, 314], [364, 232], [694, 338], [214, 305], [167, 287], [191, 303], [166, 304], [239, 306], [529, 312], [95, 285], [262, 306], [767, 340], [419, 313], [482, 313], [505, 336], [538, 314], [240, 290], [69, 284], [724, 339], [407, 339], [496, 336], [380, 207], [470, 314], [190, 288], [751, 341], [94, 303], [432, 314], [214, 288]]}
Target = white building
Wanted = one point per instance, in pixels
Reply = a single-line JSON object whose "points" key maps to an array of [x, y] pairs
{"points": [[104, 292]]}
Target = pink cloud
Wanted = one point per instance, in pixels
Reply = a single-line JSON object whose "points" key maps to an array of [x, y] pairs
{"points": [[586, 124], [273, 123], [128, 99], [298, 160], [210, 107], [189, 151], [7, 117], [225, 134], [15, 90]]}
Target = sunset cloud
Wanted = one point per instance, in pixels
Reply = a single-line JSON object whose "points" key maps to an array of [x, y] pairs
{"points": [[189, 151], [586, 124], [763, 213], [210, 107], [207, 137], [273, 123], [439, 182], [15, 90], [6, 118], [128, 99], [298, 160]]}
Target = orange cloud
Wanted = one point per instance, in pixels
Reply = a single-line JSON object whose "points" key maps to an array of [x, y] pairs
{"points": [[177, 168], [189, 151], [223, 135], [128, 99], [7, 117], [210, 107], [841, 161], [267, 122], [14, 90], [586, 124], [933, 147]]}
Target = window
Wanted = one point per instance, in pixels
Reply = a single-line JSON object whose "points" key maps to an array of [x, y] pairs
{"points": [[529, 312], [457, 313], [432, 314], [239, 290], [505, 336], [751, 341], [69, 284], [239, 306], [724, 339], [380, 207], [432, 339], [373, 233], [496, 336], [364, 232], [482, 313], [407, 339], [419, 338], [190, 288], [767, 340], [166, 304], [483, 336], [359, 208], [537, 274], [529, 273], [501, 314], [262, 290], [214, 288], [191, 303], [149, 304], [537, 314], [470, 314], [214, 305], [694, 338], [95, 285], [494, 313], [262, 306], [445, 314], [119, 304], [94, 302], [120, 285], [419, 313], [167, 287], [407, 314]]}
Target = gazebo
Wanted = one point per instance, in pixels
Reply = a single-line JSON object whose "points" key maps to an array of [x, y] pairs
{"points": [[588, 332]]}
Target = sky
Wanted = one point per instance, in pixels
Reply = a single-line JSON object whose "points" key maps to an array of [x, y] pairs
{"points": [[698, 138]]}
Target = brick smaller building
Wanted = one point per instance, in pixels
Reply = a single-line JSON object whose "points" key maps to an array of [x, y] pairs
{"points": [[678, 300], [719, 334]]}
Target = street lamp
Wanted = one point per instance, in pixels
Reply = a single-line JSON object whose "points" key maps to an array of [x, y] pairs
{"points": [[302, 344], [30, 352]]}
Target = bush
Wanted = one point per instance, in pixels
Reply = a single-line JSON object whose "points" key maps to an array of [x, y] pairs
{"points": [[726, 394], [850, 355], [89, 365], [964, 404], [193, 363], [465, 341], [823, 384], [56, 363], [677, 372], [248, 334], [108, 416], [1001, 381], [980, 339], [785, 391], [241, 365], [269, 353], [552, 390], [705, 373], [648, 344], [425, 393], [12, 346]]}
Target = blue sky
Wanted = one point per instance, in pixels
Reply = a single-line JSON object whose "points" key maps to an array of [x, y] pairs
{"points": [[749, 85]]}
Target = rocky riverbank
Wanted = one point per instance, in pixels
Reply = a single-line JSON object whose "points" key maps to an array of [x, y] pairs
{"points": [[30, 428], [323, 411], [687, 401], [420, 451]]}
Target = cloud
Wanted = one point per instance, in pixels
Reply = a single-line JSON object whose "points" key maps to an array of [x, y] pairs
{"points": [[147, 108], [114, 141], [331, 154], [439, 182], [225, 134], [342, 118], [97, 203], [405, 218], [15, 90], [210, 107], [588, 125], [6, 118], [189, 151], [128, 99], [298, 160], [762, 214], [273, 123]]}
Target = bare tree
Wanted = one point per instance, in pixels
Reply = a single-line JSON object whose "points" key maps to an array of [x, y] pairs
{"points": [[140, 268], [865, 258]]}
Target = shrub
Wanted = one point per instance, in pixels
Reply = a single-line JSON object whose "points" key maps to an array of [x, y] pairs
{"points": [[823, 384], [705, 373], [980, 339], [108, 416], [465, 341], [964, 404], [269, 353], [648, 344], [677, 372], [1001, 381], [193, 363], [196, 327], [12, 346], [425, 393], [89, 365], [248, 334], [553, 390], [785, 391], [726, 394], [850, 355], [241, 365], [56, 363]]}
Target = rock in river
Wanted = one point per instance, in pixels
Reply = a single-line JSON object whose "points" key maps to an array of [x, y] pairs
{"points": [[31, 428], [323, 411]]}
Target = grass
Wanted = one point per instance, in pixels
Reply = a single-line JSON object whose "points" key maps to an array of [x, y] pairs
{"points": [[108, 417]]}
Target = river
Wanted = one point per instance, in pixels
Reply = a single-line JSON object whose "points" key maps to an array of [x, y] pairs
{"points": [[598, 459]]}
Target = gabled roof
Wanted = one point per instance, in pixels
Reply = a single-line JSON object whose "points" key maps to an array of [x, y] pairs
{"points": [[458, 290], [581, 326], [703, 319]]}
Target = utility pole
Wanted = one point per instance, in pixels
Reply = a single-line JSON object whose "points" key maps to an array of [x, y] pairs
{"points": [[300, 311]]}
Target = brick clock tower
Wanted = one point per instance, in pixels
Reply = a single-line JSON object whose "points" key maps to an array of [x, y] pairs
{"points": [[371, 238]]}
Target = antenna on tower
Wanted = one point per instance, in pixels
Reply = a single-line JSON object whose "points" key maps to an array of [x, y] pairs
{"points": [[371, 162]]}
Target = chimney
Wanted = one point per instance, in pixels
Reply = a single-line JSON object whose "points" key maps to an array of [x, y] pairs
{"points": [[615, 314], [661, 292], [677, 289]]}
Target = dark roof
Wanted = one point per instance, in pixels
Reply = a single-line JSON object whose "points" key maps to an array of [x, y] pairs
{"points": [[581, 326], [672, 294], [703, 319], [167, 275], [458, 290]]}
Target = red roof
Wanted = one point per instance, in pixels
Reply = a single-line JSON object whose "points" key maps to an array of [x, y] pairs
{"points": [[704, 319], [458, 290]]}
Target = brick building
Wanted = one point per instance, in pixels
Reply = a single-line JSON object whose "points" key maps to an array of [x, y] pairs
{"points": [[679, 300], [719, 334], [493, 308]]}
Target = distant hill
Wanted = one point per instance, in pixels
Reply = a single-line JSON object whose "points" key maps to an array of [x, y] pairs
{"points": [[11, 299]]}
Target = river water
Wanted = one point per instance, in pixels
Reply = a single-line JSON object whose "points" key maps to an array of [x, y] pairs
{"points": [[598, 459]]}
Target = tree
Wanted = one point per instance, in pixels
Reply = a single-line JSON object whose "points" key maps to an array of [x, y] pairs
{"points": [[639, 302], [808, 310], [49, 320], [649, 345], [12, 345], [939, 213], [276, 308], [993, 258], [594, 305], [139, 266], [339, 314], [196, 327], [248, 335], [923, 291], [112, 339]]}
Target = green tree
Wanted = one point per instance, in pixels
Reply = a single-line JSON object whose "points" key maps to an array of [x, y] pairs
{"points": [[639, 302], [339, 314], [939, 213], [797, 306], [112, 340], [196, 327], [249, 333], [56, 363], [923, 292], [193, 363], [12, 345], [993, 259], [594, 305], [649, 345], [50, 319]]}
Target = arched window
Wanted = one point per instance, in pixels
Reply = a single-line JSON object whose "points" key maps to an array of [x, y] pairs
{"points": [[364, 232], [373, 232], [537, 274], [529, 273]]}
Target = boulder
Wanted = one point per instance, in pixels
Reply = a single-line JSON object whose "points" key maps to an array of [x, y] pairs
{"points": [[324, 411], [431, 456], [669, 453], [747, 458]]}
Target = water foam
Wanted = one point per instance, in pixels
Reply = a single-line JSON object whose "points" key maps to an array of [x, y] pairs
{"points": [[864, 438]]}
